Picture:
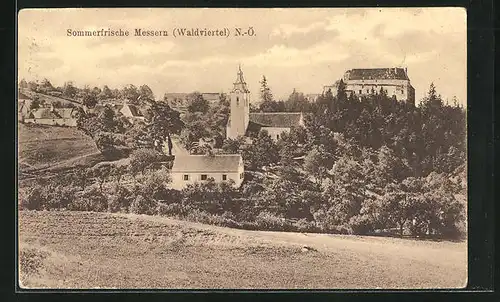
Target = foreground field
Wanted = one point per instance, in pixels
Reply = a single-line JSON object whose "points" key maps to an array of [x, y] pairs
{"points": [[102, 250]]}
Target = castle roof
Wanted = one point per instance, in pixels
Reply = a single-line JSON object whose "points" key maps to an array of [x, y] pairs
{"points": [[277, 119], [377, 74], [207, 163]]}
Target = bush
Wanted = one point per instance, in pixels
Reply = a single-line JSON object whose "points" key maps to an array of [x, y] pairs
{"points": [[143, 205], [59, 197], [31, 198], [218, 220], [303, 225], [119, 200], [361, 224], [268, 221], [90, 200], [173, 209]]}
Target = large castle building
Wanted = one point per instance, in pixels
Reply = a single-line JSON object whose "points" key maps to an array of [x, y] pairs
{"points": [[243, 123], [361, 82]]}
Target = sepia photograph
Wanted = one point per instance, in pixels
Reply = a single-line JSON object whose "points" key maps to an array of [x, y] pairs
{"points": [[242, 148]]}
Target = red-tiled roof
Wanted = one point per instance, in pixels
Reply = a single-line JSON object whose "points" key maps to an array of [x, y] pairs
{"points": [[377, 74], [206, 163], [276, 119]]}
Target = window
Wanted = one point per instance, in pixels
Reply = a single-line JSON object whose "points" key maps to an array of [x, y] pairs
{"points": [[224, 177], [241, 175], [277, 136], [368, 90], [186, 177], [237, 100], [203, 176], [360, 91]]}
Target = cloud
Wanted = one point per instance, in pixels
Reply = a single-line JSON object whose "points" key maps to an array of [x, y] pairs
{"points": [[295, 48]]}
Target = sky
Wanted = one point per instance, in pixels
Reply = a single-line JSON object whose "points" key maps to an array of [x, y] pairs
{"points": [[295, 48]]}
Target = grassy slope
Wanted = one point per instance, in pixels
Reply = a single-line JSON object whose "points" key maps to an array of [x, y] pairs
{"points": [[89, 250], [45, 146]]}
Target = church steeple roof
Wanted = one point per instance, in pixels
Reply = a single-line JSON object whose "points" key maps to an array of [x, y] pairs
{"points": [[240, 84]]}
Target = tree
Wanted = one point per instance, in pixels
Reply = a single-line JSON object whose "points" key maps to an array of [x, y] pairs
{"points": [[146, 94], [141, 159], [162, 122], [197, 103], [69, 90], [232, 146], [131, 93], [89, 100], [296, 102], [106, 93], [317, 162], [263, 152], [23, 84], [35, 104], [265, 91]]}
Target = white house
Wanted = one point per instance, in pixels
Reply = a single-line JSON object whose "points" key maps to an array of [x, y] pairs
{"points": [[241, 122], [189, 169]]}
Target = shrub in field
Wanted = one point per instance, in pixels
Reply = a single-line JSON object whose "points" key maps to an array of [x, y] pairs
{"points": [[303, 225], [90, 200], [31, 198], [119, 199], [59, 197], [31, 261], [218, 220], [172, 209], [361, 224], [268, 221], [143, 205]]}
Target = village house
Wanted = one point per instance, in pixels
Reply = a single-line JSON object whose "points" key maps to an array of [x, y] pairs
{"points": [[189, 169], [131, 112], [243, 123], [53, 116]]}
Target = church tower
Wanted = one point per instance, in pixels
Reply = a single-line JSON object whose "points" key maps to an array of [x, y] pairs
{"points": [[240, 108]]}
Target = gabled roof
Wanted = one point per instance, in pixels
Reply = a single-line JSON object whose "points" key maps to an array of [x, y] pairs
{"points": [[48, 113], [377, 74], [211, 96], [276, 119], [45, 113], [133, 110], [206, 163]]}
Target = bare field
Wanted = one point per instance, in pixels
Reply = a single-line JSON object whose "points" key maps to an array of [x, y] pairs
{"points": [[102, 250]]}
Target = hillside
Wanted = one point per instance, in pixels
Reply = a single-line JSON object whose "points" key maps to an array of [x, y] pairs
{"points": [[102, 250], [41, 146]]}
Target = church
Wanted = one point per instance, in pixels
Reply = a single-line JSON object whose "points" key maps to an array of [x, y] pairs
{"points": [[243, 123]]}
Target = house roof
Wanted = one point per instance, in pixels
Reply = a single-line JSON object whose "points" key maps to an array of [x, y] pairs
{"points": [[133, 110], [377, 74], [206, 163], [45, 113], [276, 119], [211, 96]]}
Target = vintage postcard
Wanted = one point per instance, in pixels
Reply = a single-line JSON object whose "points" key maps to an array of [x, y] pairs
{"points": [[204, 148]]}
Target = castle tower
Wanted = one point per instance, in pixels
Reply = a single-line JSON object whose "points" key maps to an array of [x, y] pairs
{"points": [[240, 107]]}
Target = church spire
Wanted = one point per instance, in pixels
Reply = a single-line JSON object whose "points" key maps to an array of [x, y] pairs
{"points": [[240, 83]]}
